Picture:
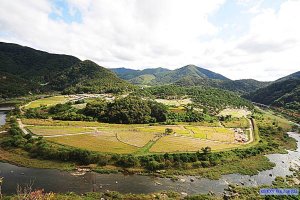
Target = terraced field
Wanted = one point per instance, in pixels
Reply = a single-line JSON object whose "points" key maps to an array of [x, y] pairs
{"points": [[122, 138]]}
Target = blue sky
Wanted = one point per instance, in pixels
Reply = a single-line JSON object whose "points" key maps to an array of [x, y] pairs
{"points": [[238, 38], [62, 11]]}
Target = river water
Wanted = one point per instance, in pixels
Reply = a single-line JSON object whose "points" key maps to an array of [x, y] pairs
{"points": [[61, 181]]}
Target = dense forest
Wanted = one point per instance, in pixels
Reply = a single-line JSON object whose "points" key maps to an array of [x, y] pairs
{"points": [[26, 71]]}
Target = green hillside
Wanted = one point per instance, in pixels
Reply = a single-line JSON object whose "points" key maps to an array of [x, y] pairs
{"points": [[280, 92], [24, 71], [87, 76], [12, 86], [283, 95], [25, 62], [187, 76], [242, 86]]}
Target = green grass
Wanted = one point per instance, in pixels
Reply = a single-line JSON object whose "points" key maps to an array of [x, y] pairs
{"points": [[49, 101], [247, 166], [22, 158]]}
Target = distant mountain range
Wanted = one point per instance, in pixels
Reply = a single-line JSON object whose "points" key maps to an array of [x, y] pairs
{"points": [[189, 75]]}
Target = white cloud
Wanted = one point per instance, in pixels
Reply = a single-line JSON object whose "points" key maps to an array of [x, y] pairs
{"points": [[159, 33]]}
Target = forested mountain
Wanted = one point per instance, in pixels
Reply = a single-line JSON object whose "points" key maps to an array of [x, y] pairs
{"points": [[242, 86], [127, 74], [87, 76], [282, 91], [31, 64], [24, 70], [158, 76], [189, 75]]}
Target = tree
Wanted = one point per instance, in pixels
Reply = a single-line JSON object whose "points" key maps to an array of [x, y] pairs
{"points": [[168, 131], [129, 110], [206, 150]]}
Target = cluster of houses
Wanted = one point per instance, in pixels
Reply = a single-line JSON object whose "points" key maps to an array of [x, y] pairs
{"points": [[240, 135]]}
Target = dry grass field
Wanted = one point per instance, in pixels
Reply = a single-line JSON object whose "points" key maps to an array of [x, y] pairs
{"points": [[49, 101], [237, 123], [212, 133], [174, 102], [186, 144], [58, 130], [103, 142], [50, 122], [135, 138], [235, 112]]}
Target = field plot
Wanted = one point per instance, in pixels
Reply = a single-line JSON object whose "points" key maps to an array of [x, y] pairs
{"points": [[135, 138], [131, 138], [185, 144], [58, 130], [212, 133], [235, 112], [50, 122], [174, 102], [101, 142], [237, 123], [49, 101]]}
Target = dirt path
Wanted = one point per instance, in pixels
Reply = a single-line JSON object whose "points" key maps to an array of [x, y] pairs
{"points": [[251, 135], [22, 126]]}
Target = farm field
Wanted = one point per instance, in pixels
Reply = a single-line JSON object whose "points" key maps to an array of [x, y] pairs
{"points": [[101, 142], [212, 133], [174, 102], [172, 143], [48, 101], [50, 122], [58, 130], [236, 123], [238, 113], [123, 139]]}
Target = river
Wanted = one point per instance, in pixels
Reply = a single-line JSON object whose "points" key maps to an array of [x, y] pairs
{"points": [[61, 181]]}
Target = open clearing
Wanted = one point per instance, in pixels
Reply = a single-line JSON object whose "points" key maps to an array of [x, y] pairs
{"points": [[174, 102], [238, 113], [48, 101], [123, 139]]}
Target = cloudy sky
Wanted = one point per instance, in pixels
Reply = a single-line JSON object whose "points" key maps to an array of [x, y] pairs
{"points": [[240, 39]]}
